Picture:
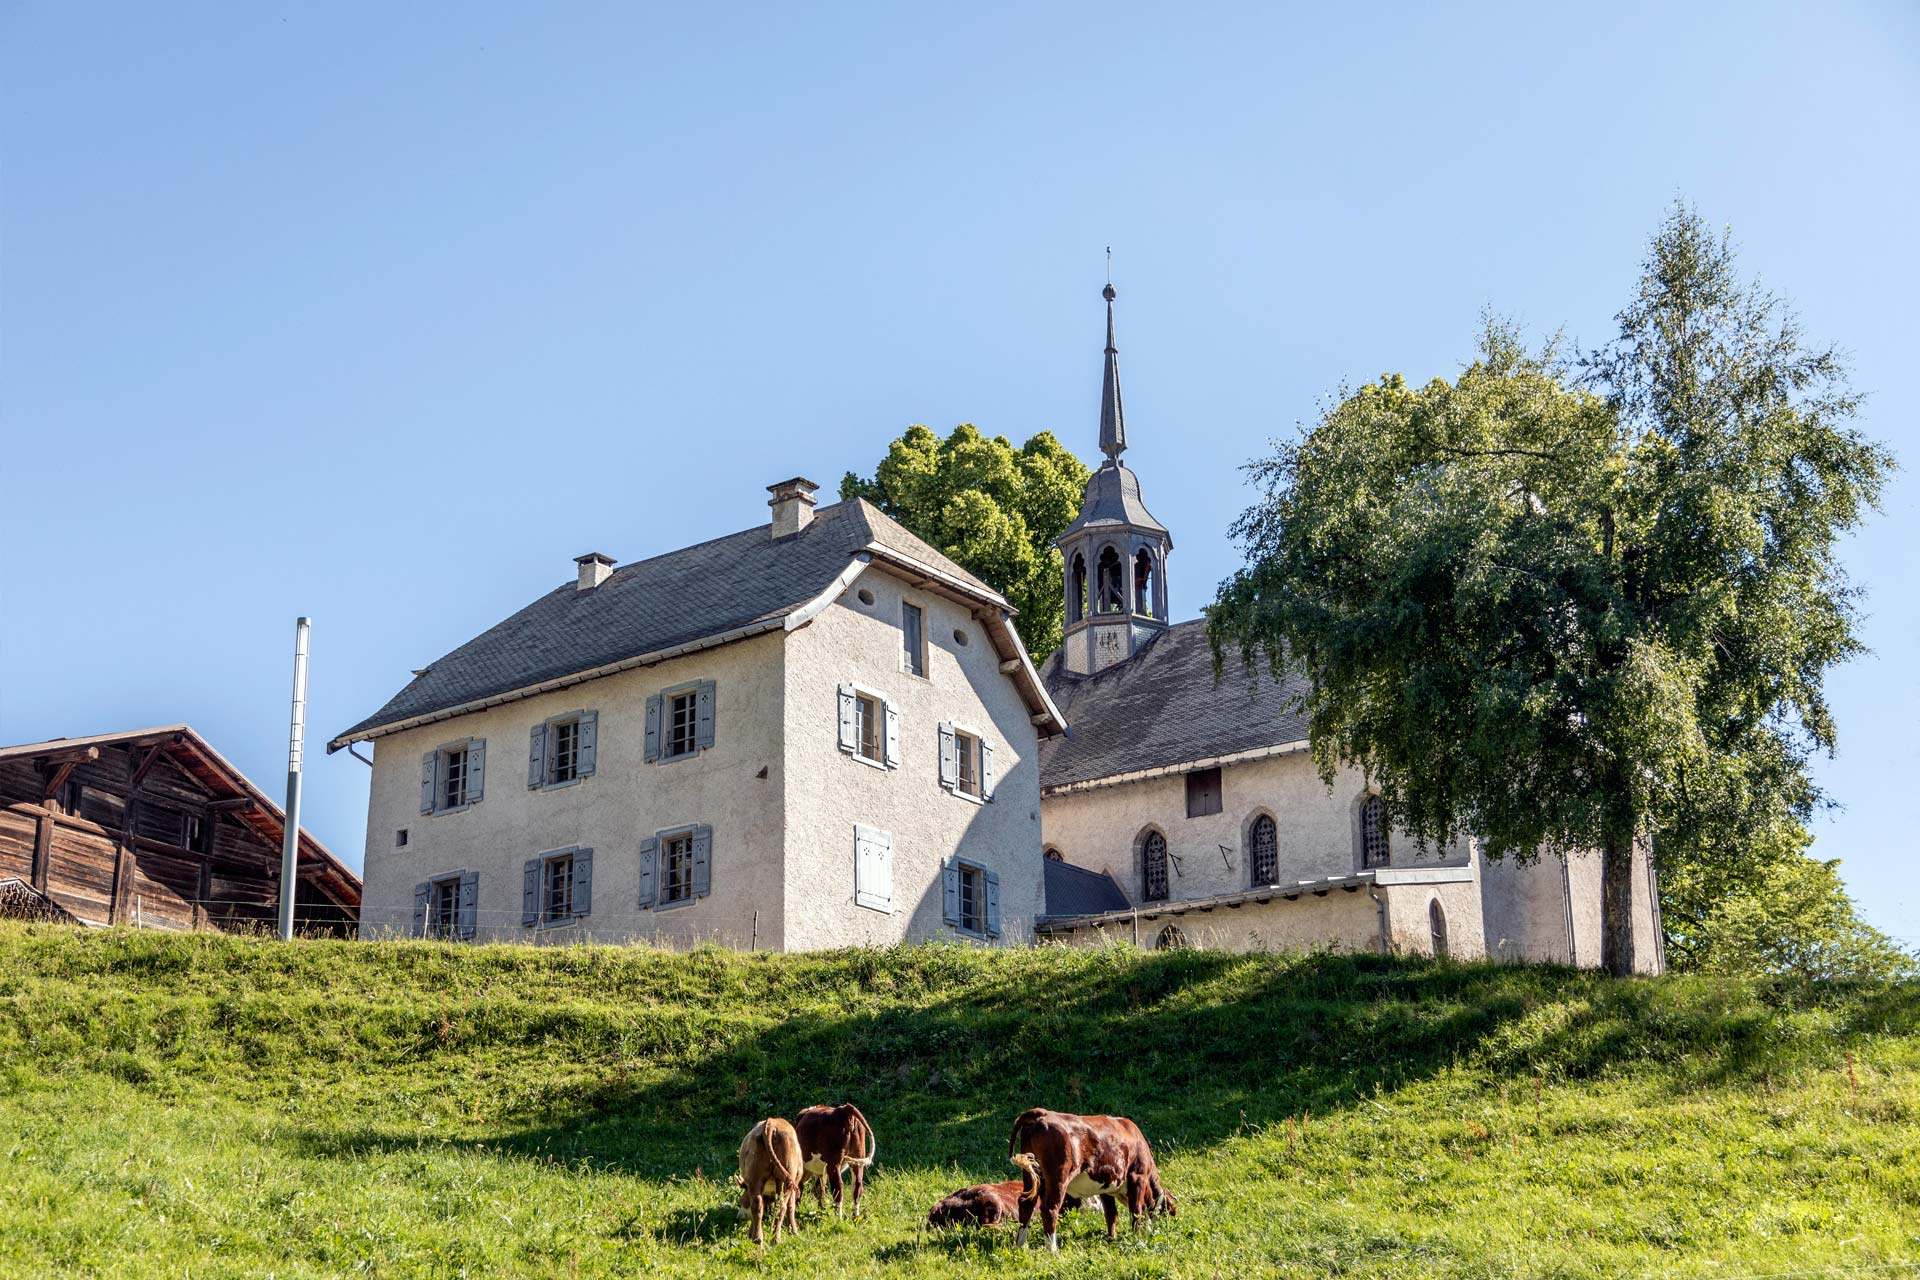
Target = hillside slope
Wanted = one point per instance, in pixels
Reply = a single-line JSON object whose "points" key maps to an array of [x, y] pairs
{"points": [[203, 1105]]}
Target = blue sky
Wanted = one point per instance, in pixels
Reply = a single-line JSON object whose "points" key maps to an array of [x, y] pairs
{"points": [[384, 313]]}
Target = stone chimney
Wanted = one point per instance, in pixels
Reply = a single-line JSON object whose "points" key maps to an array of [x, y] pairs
{"points": [[792, 504], [594, 569]]}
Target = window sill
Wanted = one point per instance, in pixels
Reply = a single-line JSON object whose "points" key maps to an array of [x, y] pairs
{"points": [[684, 755], [441, 813], [968, 796], [868, 761], [884, 908], [566, 923], [675, 905], [560, 786]]}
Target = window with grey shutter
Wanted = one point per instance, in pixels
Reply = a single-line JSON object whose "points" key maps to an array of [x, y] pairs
{"points": [[582, 881], [950, 892], [702, 861], [993, 905], [649, 866], [872, 868], [537, 756], [986, 769], [892, 718], [654, 707], [703, 714], [429, 772], [589, 743], [849, 719], [949, 757], [467, 918], [530, 893], [421, 893]]}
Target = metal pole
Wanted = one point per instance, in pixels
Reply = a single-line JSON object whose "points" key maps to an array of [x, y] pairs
{"points": [[296, 744]]}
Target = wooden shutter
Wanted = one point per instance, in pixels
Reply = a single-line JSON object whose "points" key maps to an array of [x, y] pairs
{"points": [[950, 892], [429, 767], [891, 718], [949, 758], [702, 861], [986, 769], [849, 719], [467, 912], [582, 881], [421, 892], [872, 868], [476, 769], [653, 728], [993, 904], [530, 892], [703, 700], [649, 864], [537, 756], [586, 744]]}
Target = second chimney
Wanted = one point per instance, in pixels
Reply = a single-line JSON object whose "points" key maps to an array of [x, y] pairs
{"points": [[594, 569], [792, 504]]}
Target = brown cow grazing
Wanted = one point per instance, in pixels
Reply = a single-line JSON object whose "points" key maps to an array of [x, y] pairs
{"points": [[1061, 1155], [770, 1168], [832, 1137], [986, 1205]]}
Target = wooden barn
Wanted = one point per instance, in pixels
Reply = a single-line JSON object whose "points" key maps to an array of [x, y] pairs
{"points": [[154, 828]]}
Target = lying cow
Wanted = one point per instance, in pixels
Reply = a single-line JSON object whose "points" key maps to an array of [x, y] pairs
{"points": [[986, 1205], [770, 1169], [1061, 1155], [830, 1138]]}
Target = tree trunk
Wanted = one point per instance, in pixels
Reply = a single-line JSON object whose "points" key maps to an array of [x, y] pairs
{"points": [[1616, 905]]}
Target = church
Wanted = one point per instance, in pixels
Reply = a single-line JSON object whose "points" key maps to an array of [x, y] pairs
{"points": [[1178, 810]]}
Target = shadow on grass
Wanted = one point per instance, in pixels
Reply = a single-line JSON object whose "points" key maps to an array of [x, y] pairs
{"points": [[1194, 1045], [703, 1226]]}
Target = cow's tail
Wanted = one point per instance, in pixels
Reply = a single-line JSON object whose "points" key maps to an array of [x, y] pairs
{"points": [[1029, 1166], [788, 1176], [868, 1143]]}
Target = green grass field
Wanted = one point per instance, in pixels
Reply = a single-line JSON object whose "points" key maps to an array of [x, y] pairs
{"points": [[206, 1106]]}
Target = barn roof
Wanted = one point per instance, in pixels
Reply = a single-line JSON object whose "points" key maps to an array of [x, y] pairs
{"points": [[1161, 709], [730, 588], [1078, 891], [211, 770]]}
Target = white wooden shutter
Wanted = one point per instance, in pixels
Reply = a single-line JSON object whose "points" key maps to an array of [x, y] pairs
{"points": [[702, 861], [653, 728], [530, 892], [849, 719], [892, 721], [949, 758], [421, 892], [582, 881], [986, 769], [587, 744], [537, 756], [950, 892], [467, 913], [993, 904], [872, 868], [649, 866], [476, 769], [703, 701], [429, 767]]}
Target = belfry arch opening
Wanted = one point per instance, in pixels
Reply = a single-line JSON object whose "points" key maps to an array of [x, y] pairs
{"points": [[1143, 583]]}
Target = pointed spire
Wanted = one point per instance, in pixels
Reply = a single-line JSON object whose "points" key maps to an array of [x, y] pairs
{"points": [[1113, 422]]}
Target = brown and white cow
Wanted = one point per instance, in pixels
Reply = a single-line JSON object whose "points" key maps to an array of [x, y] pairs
{"points": [[986, 1205], [832, 1138], [1061, 1155], [770, 1169]]}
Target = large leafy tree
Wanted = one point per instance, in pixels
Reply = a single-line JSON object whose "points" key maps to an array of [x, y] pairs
{"points": [[994, 509], [1572, 606]]}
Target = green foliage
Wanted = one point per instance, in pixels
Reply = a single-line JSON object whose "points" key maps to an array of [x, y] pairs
{"points": [[1563, 612], [995, 510], [210, 1106]]}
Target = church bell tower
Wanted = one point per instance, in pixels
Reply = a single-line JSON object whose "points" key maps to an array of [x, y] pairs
{"points": [[1115, 551]]}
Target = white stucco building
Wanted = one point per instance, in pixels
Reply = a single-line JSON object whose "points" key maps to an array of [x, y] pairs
{"points": [[1181, 810], [816, 732]]}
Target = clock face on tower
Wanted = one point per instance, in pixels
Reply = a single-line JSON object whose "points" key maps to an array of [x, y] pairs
{"points": [[1109, 646]]}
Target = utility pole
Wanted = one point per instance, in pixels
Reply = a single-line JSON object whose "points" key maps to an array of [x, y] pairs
{"points": [[296, 745]]}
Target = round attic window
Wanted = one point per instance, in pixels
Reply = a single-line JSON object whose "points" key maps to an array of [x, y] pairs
{"points": [[866, 596], [960, 637]]}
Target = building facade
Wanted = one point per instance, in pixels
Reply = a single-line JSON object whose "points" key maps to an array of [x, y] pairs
{"points": [[1185, 810], [818, 732]]}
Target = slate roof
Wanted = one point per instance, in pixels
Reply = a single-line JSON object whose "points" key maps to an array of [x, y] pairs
{"points": [[1077, 891], [694, 594], [1112, 497], [1161, 707]]}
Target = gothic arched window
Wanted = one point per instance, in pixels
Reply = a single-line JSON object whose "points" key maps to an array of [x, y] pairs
{"points": [[1113, 598], [1171, 938], [1153, 867], [1143, 583], [1077, 589], [1373, 832], [1263, 851], [1437, 923]]}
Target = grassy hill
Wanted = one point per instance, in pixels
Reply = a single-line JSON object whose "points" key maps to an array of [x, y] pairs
{"points": [[209, 1106]]}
